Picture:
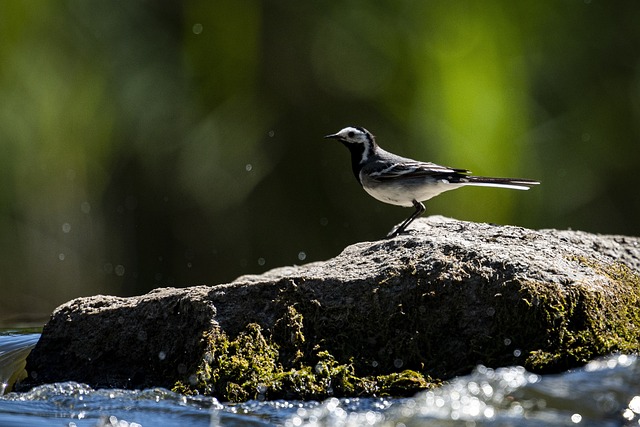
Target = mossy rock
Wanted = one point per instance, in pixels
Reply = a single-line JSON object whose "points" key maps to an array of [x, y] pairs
{"points": [[382, 318], [249, 367]]}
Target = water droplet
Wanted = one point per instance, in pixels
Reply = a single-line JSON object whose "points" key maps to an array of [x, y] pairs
{"points": [[332, 404], [248, 167], [61, 256], [628, 414], [517, 352], [487, 389], [634, 404], [119, 270], [507, 341], [197, 28], [162, 355], [398, 363], [261, 261], [576, 418], [302, 256], [473, 387], [271, 133], [66, 227]]}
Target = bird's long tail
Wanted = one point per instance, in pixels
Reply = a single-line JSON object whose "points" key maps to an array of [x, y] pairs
{"points": [[485, 181]]}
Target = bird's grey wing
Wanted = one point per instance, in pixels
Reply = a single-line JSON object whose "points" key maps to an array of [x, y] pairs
{"points": [[415, 170]]}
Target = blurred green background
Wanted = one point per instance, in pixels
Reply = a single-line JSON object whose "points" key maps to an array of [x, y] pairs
{"points": [[172, 143]]}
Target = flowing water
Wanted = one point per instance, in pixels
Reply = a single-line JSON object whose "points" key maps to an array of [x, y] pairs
{"points": [[606, 392]]}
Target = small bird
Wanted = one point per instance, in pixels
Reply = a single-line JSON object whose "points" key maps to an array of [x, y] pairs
{"points": [[405, 182]]}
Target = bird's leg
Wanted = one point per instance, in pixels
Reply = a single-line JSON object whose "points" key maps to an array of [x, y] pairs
{"points": [[400, 229]]}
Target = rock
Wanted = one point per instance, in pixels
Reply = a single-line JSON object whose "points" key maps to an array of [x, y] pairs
{"points": [[390, 316]]}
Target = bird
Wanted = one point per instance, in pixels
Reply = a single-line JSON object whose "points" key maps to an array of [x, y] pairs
{"points": [[401, 181]]}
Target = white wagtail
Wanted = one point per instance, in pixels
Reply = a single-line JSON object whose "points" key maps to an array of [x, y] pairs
{"points": [[405, 182]]}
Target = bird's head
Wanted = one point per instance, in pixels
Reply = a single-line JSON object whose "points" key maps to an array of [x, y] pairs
{"points": [[354, 135]]}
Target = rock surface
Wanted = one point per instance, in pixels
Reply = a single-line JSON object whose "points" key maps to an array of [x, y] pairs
{"points": [[438, 300]]}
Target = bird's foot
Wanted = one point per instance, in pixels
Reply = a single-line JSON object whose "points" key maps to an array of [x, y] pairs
{"points": [[395, 231]]}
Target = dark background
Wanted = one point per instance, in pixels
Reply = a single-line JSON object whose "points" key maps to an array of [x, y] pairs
{"points": [[173, 143]]}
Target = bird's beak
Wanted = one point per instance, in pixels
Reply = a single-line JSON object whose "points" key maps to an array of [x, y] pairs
{"points": [[332, 136]]}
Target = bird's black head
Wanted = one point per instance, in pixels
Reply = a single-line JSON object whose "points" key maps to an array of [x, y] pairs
{"points": [[360, 142]]}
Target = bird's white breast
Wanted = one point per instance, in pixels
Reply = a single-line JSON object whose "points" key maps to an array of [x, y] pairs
{"points": [[404, 192]]}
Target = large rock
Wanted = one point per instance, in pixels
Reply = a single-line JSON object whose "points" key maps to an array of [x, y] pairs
{"points": [[389, 316]]}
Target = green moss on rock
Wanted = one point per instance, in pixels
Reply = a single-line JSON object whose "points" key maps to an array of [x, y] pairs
{"points": [[251, 367], [581, 323]]}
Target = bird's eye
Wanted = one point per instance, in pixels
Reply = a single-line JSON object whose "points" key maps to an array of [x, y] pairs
{"points": [[351, 134]]}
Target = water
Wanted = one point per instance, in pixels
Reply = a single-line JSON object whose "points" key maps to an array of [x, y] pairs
{"points": [[606, 392], [14, 348]]}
